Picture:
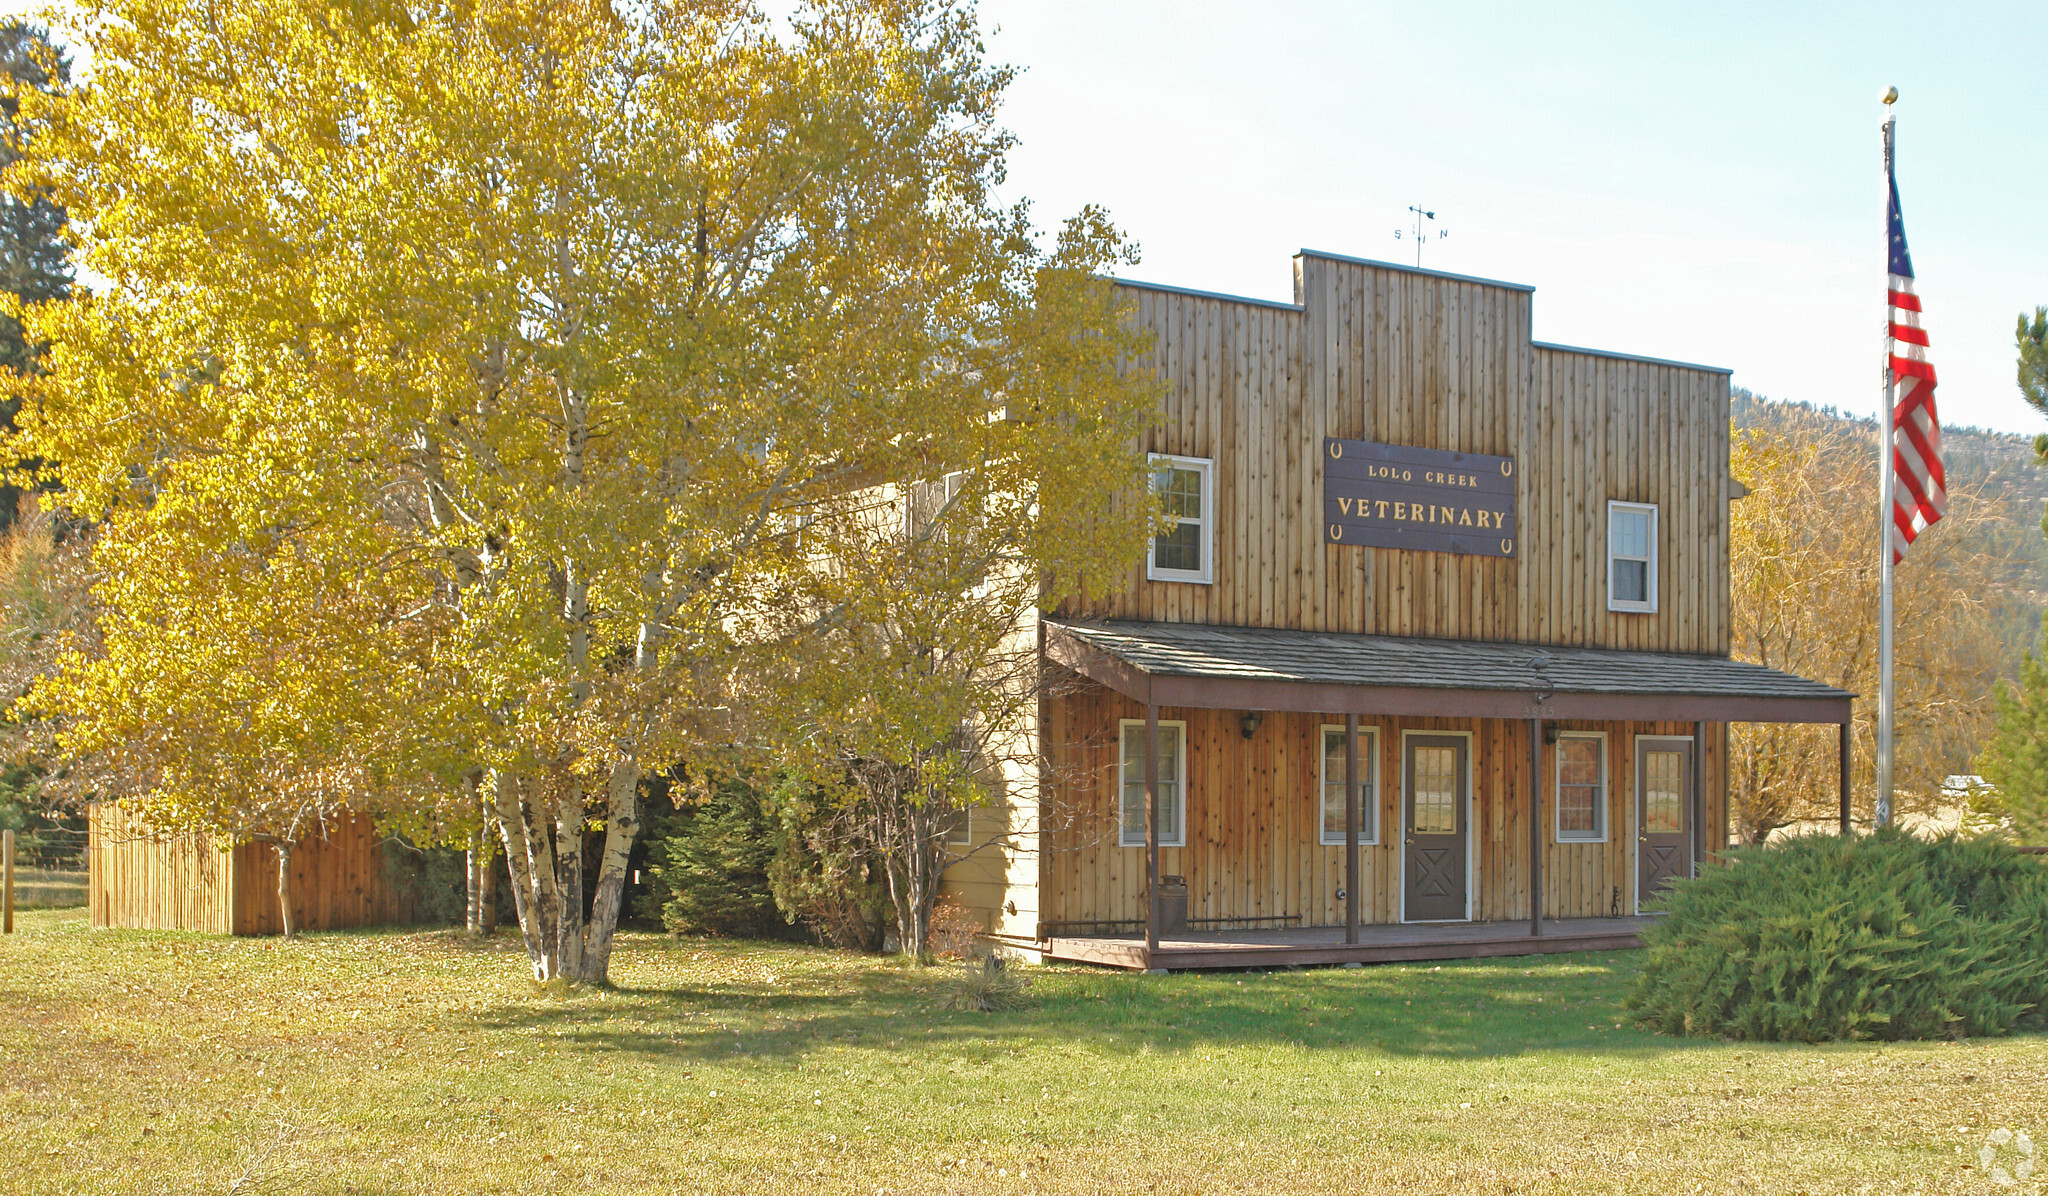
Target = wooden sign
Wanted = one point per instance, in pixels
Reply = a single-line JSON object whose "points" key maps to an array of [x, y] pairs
{"points": [[1429, 500]]}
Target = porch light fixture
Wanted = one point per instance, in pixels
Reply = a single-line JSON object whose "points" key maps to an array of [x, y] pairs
{"points": [[1252, 719]]}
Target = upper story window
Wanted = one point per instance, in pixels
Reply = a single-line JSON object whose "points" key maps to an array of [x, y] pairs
{"points": [[1183, 551], [1631, 556], [1173, 790], [929, 514], [1333, 786], [1581, 787], [924, 503]]}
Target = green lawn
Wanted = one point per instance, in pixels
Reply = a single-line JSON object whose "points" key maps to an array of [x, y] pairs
{"points": [[396, 1061]]}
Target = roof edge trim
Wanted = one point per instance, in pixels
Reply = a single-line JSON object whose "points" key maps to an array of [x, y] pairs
{"points": [[1665, 361], [1379, 265], [1200, 294]]}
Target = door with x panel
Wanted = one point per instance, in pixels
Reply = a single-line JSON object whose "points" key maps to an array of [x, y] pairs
{"points": [[1435, 773], [1663, 819]]}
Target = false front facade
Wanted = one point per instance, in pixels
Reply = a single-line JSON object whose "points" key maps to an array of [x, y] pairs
{"points": [[1432, 659]]}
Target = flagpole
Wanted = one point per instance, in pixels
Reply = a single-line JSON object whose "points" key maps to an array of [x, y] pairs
{"points": [[1881, 815]]}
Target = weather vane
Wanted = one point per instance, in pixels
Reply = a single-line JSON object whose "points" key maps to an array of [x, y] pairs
{"points": [[1419, 234]]}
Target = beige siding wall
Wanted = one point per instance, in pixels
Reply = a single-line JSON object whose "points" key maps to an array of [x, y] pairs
{"points": [[998, 881], [144, 883]]}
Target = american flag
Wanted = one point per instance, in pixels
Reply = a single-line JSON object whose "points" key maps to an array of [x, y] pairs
{"points": [[1918, 493]]}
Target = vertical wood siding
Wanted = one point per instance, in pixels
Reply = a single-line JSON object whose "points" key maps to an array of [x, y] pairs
{"points": [[1253, 811], [1397, 356], [183, 882], [142, 883]]}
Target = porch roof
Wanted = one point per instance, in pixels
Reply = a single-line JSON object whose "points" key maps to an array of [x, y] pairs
{"points": [[1266, 668]]}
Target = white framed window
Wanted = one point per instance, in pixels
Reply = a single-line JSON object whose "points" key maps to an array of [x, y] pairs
{"points": [[924, 502], [1581, 775], [1332, 787], [1173, 783], [1631, 556], [960, 827], [1185, 551]]}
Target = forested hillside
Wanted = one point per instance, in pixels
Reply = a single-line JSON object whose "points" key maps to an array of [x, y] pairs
{"points": [[1993, 469], [1804, 565]]}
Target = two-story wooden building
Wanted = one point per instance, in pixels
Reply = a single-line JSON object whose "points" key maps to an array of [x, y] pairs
{"points": [[1433, 662]]}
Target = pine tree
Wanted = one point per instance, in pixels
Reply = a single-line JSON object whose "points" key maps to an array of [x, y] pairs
{"points": [[2032, 339], [2015, 761], [715, 868], [34, 262]]}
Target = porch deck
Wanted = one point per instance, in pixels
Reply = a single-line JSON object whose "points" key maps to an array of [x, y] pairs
{"points": [[1325, 945]]}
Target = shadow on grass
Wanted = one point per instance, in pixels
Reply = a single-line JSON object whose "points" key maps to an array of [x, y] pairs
{"points": [[1459, 1009], [721, 1000]]}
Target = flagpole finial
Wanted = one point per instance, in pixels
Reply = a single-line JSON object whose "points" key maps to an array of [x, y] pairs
{"points": [[1891, 96]]}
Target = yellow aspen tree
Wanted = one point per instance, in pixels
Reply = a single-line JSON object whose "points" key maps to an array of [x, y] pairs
{"points": [[907, 678], [530, 330], [1803, 582]]}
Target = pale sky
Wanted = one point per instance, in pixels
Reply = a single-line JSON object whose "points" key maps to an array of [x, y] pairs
{"points": [[1692, 181]]}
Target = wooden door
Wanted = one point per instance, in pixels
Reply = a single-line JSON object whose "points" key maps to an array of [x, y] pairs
{"points": [[1436, 775], [1663, 821]]}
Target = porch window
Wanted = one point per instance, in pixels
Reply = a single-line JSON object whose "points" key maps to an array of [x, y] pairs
{"points": [[1173, 794], [1631, 556], [1581, 787], [1664, 793], [1182, 552], [1332, 787]]}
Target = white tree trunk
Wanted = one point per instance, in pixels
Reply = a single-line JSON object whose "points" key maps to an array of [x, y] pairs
{"points": [[488, 891], [544, 854], [284, 887], [473, 866], [622, 826], [569, 883], [528, 833]]}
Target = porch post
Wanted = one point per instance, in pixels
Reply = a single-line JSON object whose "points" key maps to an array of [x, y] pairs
{"points": [[1351, 828], [1151, 832], [1699, 794], [1842, 759], [1535, 826]]}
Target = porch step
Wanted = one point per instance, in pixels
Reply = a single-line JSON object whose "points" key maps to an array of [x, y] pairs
{"points": [[1325, 946]]}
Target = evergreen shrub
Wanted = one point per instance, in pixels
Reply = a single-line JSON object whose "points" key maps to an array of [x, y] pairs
{"points": [[821, 873], [712, 869], [760, 858], [1881, 936]]}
